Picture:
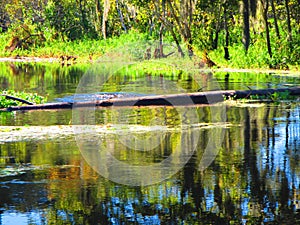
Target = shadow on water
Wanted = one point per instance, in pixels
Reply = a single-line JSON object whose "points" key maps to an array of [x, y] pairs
{"points": [[254, 179]]}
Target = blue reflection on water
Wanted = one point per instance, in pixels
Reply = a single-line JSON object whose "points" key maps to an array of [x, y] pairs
{"points": [[99, 96], [278, 151], [276, 154], [16, 217]]}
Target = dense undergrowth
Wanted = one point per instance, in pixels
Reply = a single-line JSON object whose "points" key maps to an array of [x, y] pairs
{"points": [[132, 46]]}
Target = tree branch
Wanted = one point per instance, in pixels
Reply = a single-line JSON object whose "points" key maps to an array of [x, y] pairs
{"points": [[17, 99]]}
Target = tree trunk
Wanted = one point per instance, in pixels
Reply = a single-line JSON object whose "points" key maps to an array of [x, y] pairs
{"points": [[188, 23], [168, 25], [161, 49], [265, 15], [183, 21], [226, 51], [83, 16], [253, 7], [218, 28], [215, 41], [106, 8], [121, 16], [98, 16], [288, 21], [179, 49], [246, 20], [275, 19]]}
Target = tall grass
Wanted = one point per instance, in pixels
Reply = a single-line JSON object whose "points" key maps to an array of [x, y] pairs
{"points": [[254, 58], [257, 56], [83, 48], [131, 46]]}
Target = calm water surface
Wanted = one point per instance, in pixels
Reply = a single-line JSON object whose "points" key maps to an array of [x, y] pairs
{"points": [[253, 177]]}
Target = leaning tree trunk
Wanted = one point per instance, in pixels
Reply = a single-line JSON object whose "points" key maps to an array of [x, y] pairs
{"points": [[275, 19], [183, 17], [164, 19], [179, 49], [121, 16]]}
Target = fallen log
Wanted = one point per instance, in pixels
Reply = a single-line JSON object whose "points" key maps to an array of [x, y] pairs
{"points": [[184, 99], [293, 91]]}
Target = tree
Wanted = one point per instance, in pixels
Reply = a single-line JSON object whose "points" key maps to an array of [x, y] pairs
{"points": [[246, 25], [275, 18], [265, 4], [180, 19], [226, 51], [288, 21], [121, 15], [164, 18], [249, 7], [106, 8]]}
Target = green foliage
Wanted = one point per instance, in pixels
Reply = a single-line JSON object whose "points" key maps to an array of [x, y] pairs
{"points": [[255, 58], [31, 97], [132, 43], [275, 97], [88, 27], [68, 19], [153, 67]]}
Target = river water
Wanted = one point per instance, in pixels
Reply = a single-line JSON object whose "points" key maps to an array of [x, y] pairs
{"points": [[229, 163]]}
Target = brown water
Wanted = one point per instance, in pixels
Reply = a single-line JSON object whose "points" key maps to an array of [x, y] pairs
{"points": [[254, 177]]}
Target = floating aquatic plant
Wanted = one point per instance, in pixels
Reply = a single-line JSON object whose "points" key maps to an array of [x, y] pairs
{"points": [[5, 102]]}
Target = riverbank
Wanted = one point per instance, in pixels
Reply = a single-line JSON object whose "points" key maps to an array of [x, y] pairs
{"points": [[24, 59], [149, 65], [138, 47]]}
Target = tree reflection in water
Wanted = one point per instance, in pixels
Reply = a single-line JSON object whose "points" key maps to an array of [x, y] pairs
{"points": [[253, 180]]}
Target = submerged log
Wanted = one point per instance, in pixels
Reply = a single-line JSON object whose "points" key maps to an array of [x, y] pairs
{"points": [[185, 99]]}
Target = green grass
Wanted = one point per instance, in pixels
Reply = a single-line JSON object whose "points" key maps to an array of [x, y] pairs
{"points": [[257, 56], [132, 47], [125, 44]]}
